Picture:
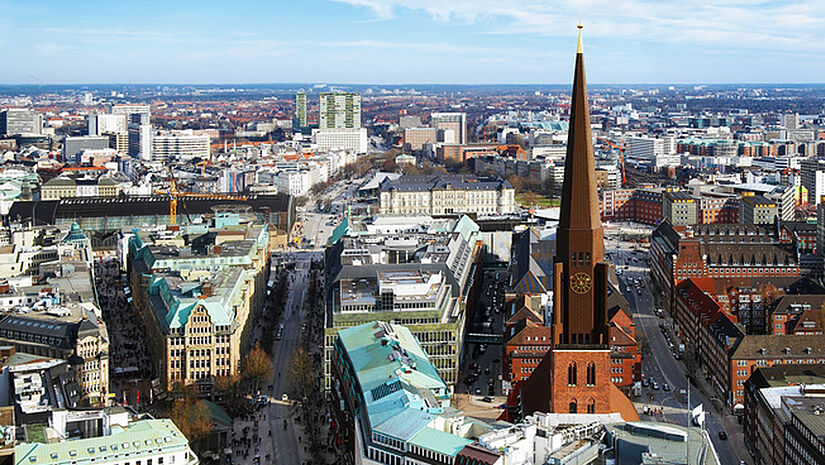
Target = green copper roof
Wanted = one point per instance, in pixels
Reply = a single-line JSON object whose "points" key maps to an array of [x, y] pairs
{"points": [[159, 436], [439, 441]]}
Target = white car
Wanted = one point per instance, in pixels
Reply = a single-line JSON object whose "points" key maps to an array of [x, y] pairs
{"points": [[284, 397]]}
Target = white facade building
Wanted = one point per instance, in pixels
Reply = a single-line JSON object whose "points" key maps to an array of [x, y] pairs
{"points": [[165, 145], [107, 124], [340, 139]]}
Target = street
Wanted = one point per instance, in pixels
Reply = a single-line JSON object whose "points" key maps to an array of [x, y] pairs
{"points": [[658, 363]]}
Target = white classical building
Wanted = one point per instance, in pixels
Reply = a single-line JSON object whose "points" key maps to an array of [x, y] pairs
{"points": [[446, 195]]}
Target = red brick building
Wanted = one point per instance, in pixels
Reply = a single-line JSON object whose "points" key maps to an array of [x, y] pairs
{"points": [[637, 205], [706, 253], [725, 352], [625, 359]]}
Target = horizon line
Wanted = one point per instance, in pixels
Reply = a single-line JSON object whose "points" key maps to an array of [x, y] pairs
{"points": [[410, 84]]}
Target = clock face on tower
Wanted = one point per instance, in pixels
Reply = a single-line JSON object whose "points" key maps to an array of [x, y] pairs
{"points": [[580, 283]]}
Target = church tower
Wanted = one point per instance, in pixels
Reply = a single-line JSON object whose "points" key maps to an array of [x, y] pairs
{"points": [[580, 357], [574, 375]]}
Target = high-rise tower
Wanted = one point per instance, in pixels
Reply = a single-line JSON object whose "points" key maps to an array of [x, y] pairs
{"points": [[574, 375]]}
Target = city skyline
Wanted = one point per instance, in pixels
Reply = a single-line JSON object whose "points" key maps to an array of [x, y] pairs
{"points": [[409, 42]]}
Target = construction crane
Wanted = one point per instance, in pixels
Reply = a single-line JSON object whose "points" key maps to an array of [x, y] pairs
{"points": [[175, 195], [203, 164], [621, 149]]}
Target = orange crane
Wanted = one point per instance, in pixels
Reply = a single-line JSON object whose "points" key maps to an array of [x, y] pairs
{"points": [[175, 195], [621, 149], [203, 164]]}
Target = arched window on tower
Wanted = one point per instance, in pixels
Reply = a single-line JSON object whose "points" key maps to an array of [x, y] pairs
{"points": [[591, 374], [573, 406], [571, 374], [591, 406]]}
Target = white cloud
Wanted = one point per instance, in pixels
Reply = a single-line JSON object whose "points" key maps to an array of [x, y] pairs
{"points": [[441, 47], [794, 25]]}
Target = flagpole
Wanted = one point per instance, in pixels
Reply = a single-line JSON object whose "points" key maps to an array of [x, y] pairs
{"points": [[689, 419]]}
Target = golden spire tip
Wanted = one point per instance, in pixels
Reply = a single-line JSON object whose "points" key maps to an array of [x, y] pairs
{"points": [[579, 47]]}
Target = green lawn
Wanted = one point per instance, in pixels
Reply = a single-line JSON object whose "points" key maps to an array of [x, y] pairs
{"points": [[35, 433], [540, 200]]}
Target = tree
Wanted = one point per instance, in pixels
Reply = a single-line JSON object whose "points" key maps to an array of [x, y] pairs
{"points": [[517, 182], [531, 199], [257, 366], [302, 371], [192, 418]]}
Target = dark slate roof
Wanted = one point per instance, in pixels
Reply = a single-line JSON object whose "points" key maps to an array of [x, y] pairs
{"points": [[735, 232], [47, 212], [740, 254], [775, 346], [800, 227], [793, 304], [786, 374], [64, 333], [412, 183], [668, 236]]}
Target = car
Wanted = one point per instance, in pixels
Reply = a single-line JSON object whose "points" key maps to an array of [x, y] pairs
{"points": [[645, 382], [487, 371], [486, 399], [655, 386], [723, 435], [478, 391], [666, 387], [677, 356], [284, 397]]}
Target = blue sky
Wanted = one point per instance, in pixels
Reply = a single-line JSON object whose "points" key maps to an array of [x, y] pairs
{"points": [[410, 41]]}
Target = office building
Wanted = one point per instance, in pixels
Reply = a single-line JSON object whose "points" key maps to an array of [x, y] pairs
{"points": [[16, 121], [136, 117], [679, 208], [575, 374], [119, 141], [447, 195], [135, 114], [790, 121], [339, 110], [812, 171], [397, 404], [782, 409], [300, 110], [416, 138], [647, 148], [140, 442], [157, 145], [73, 146], [454, 122], [353, 140], [414, 272], [107, 124], [756, 209], [716, 251], [198, 304]]}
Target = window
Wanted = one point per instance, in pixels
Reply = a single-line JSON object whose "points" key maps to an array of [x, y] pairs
{"points": [[571, 374], [572, 406], [591, 374], [591, 406]]}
